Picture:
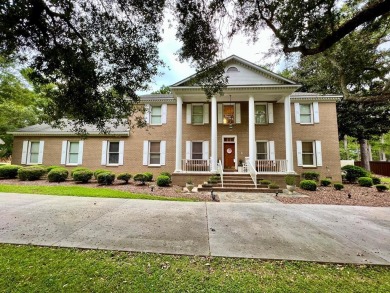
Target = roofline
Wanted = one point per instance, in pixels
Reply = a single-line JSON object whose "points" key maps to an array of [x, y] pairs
{"points": [[62, 133], [246, 86]]}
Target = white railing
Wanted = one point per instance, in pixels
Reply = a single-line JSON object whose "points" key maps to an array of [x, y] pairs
{"points": [[220, 171], [195, 165], [271, 166], [251, 171]]}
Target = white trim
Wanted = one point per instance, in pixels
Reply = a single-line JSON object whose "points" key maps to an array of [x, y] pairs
{"points": [[220, 113], [270, 112], [271, 148], [299, 153], [297, 113], [205, 150], [121, 152], [206, 113], [164, 113], [163, 147], [189, 114], [40, 154], [237, 113], [147, 113], [316, 113], [63, 152], [103, 161], [235, 149], [188, 150], [145, 153], [24, 152], [80, 155], [318, 153]]}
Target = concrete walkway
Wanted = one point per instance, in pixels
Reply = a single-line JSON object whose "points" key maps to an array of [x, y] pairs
{"points": [[343, 234]]}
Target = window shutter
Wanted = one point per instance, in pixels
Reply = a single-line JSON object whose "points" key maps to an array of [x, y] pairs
{"points": [[189, 113], [145, 153], [63, 151], [316, 112], [318, 153], [40, 154], [104, 153], [147, 113], [164, 111], [206, 113], [188, 150], [297, 114], [24, 152], [238, 113], [270, 113], [205, 150], [271, 145], [299, 153], [220, 120], [81, 149], [163, 146], [121, 150]]}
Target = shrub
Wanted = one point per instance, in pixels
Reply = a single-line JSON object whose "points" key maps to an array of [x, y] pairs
{"points": [[290, 179], [57, 175], [265, 182], [326, 182], [78, 169], [163, 180], [52, 167], [166, 174], [213, 179], [381, 187], [140, 178], [338, 186], [354, 172], [82, 176], [98, 171], [273, 186], [311, 176], [365, 181], [124, 177], [9, 171], [376, 180], [105, 178], [31, 173], [308, 185], [148, 176]]}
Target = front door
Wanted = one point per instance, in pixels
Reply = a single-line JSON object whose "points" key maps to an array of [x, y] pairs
{"points": [[229, 156]]}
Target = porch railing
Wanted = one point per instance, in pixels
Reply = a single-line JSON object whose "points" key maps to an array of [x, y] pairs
{"points": [[220, 171], [195, 165], [271, 166], [251, 171]]}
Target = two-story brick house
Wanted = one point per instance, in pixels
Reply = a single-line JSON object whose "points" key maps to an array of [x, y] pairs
{"points": [[260, 121]]}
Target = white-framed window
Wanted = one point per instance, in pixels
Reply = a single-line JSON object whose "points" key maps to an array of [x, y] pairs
{"points": [[197, 113], [72, 152], [265, 150], [156, 114], [112, 152], [154, 153], [309, 153], [197, 150], [261, 114], [32, 152], [229, 113], [307, 113]]}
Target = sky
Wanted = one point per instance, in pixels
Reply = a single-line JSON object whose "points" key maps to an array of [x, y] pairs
{"points": [[176, 71]]}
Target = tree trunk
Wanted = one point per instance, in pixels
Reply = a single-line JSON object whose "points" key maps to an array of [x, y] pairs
{"points": [[364, 154]]}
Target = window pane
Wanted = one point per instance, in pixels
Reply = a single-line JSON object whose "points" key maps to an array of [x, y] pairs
{"points": [[155, 147], [114, 147], [197, 119], [156, 120], [73, 158], [154, 158], [228, 114], [305, 118], [156, 110], [34, 147], [307, 159], [73, 147], [261, 147], [307, 147], [34, 158], [197, 110], [113, 158], [197, 147], [305, 108], [261, 114]]}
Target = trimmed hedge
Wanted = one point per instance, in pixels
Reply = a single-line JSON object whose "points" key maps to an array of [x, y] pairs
{"points": [[365, 181], [354, 172], [31, 173], [163, 181], [290, 180], [308, 185], [52, 167], [376, 180], [140, 178], [273, 186], [325, 182], [78, 169], [124, 177], [311, 176], [213, 179], [381, 187], [57, 175], [148, 176], [9, 171], [82, 176], [105, 178], [265, 182], [338, 186], [166, 174], [98, 171]]}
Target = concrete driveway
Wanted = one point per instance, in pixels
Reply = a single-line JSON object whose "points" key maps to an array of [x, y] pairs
{"points": [[342, 234]]}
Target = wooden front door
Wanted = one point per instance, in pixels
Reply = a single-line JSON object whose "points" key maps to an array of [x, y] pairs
{"points": [[229, 156]]}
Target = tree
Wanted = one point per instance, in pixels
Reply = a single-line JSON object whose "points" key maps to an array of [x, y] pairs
{"points": [[164, 89]]}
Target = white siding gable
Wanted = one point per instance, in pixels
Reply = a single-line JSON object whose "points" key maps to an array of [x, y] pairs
{"points": [[247, 76]]}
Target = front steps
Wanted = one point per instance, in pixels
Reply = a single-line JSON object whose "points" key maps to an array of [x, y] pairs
{"points": [[236, 183]]}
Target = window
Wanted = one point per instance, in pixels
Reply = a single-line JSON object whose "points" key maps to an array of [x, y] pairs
{"points": [[261, 114], [32, 152], [154, 153], [305, 113], [232, 69], [155, 115], [228, 114], [307, 153], [262, 150], [113, 152], [197, 150], [73, 153], [197, 114]]}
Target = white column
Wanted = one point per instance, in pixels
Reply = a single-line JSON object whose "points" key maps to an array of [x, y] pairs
{"points": [[288, 134], [214, 137], [179, 133], [251, 129]]}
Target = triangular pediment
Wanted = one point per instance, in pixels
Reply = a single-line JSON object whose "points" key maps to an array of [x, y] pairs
{"points": [[241, 72]]}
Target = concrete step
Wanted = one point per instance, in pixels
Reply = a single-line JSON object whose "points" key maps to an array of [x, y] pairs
{"points": [[248, 185], [236, 189], [238, 181]]}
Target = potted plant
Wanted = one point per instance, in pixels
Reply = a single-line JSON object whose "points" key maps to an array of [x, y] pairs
{"points": [[189, 184], [290, 182], [240, 166]]}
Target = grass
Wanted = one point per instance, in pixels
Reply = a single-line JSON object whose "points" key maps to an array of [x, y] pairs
{"points": [[83, 191], [43, 269]]}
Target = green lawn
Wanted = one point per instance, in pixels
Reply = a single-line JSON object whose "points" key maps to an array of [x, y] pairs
{"points": [[82, 191], [42, 269]]}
